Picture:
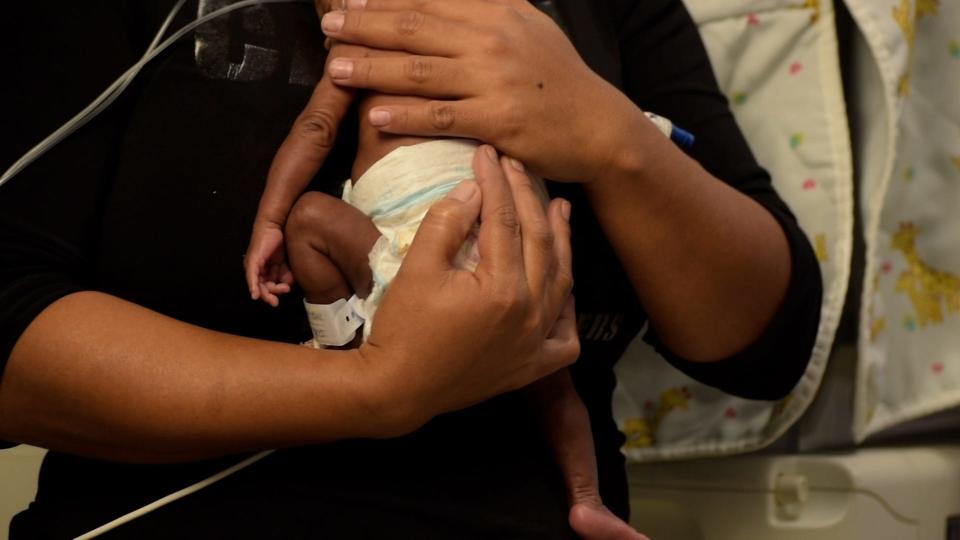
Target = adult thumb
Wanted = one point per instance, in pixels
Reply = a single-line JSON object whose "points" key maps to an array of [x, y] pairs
{"points": [[445, 228]]}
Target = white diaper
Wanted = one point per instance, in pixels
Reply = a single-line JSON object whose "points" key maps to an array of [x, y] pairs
{"points": [[395, 193]]}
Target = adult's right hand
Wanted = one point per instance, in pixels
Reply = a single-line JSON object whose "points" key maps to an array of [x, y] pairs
{"points": [[446, 338]]}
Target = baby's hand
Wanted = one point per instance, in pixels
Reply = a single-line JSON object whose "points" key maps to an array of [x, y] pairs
{"points": [[266, 264]]}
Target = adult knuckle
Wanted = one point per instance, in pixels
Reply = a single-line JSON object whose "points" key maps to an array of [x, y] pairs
{"points": [[409, 22], [564, 280], [533, 326], [495, 42], [365, 71], [509, 117], [506, 216], [526, 183], [543, 238], [318, 127], [499, 12], [507, 302], [441, 115], [352, 22], [418, 69], [570, 351], [441, 214]]}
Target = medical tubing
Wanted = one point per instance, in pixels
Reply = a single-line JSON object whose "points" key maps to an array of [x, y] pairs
{"points": [[91, 111], [681, 137], [174, 496], [102, 101]]}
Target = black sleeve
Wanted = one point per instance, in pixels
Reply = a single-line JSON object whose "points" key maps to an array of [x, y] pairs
{"points": [[666, 70], [62, 54]]}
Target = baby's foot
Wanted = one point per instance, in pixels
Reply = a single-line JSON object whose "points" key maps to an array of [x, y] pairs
{"points": [[596, 522]]}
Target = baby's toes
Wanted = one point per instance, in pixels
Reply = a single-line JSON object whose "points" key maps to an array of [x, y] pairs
{"points": [[599, 523]]}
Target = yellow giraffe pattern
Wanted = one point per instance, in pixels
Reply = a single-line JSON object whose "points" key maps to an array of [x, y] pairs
{"points": [[877, 324], [815, 6], [906, 20], [642, 432], [927, 7], [925, 286]]}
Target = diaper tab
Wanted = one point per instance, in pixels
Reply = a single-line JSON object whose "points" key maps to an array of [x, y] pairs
{"points": [[334, 325]]}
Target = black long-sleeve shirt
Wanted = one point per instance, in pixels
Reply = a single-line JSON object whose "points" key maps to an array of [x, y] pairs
{"points": [[153, 202]]}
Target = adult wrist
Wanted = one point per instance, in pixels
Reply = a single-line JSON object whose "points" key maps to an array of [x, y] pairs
{"points": [[389, 411], [624, 150], [620, 140]]}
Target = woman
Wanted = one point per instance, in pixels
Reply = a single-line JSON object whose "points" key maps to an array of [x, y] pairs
{"points": [[157, 211]]}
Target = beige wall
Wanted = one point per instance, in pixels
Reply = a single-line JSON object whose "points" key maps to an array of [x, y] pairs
{"points": [[18, 482]]}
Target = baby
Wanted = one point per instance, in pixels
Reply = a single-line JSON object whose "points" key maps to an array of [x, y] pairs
{"points": [[344, 253]]}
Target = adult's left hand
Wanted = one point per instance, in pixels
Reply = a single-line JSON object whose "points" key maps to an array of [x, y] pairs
{"points": [[499, 71]]}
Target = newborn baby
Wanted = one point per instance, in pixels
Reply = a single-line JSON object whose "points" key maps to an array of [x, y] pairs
{"points": [[344, 253]]}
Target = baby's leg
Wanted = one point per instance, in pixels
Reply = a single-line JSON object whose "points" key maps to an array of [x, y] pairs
{"points": [[327, 245], [567, 426]]}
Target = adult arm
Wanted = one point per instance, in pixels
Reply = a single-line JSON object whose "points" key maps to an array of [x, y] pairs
{"points": [[96, 376], [91, 374], [719, 264]]}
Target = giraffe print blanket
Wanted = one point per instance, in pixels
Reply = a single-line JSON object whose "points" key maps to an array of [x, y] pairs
{"points": [[909, 350]]}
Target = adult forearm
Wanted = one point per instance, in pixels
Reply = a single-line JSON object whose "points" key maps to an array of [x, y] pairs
{"points": [[710, 265], [97, 376]]}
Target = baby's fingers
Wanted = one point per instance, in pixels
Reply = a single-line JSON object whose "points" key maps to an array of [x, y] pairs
{"points": [[276, 288], [268, 296], [253, 270]]}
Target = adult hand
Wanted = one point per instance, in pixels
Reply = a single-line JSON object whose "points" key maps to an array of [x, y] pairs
{"points": [[323, 6], [471, 335], [499, 329], [498, 71]]}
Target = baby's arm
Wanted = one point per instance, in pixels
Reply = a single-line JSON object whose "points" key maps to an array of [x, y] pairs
{"points": [[567, 426], [265, 263]]}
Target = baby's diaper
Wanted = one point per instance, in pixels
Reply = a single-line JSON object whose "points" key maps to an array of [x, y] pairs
{"points": [[395, 193]]}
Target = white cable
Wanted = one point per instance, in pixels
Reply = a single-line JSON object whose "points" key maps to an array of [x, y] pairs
{"points": [[173, 496], [113, 91], [90, 111]]}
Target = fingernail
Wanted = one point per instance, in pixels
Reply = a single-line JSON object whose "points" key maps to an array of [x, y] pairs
{"points": [[565, 210], [464, 191], [380, 117], [515, 164], [332, 22], [491, 153], [356, 4], [340, 68]]}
